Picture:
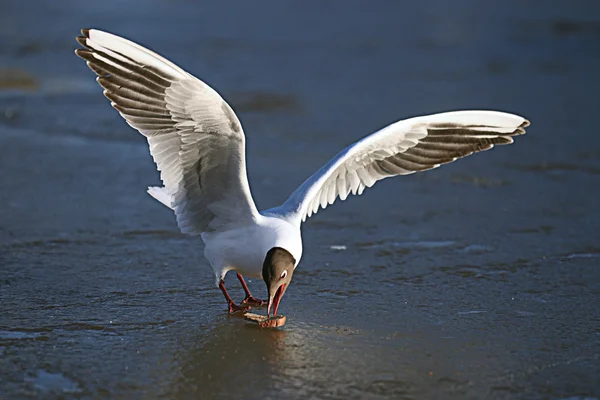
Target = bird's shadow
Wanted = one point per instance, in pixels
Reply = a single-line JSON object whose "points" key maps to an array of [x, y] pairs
{"points": [[228, 356], [234, 355]]}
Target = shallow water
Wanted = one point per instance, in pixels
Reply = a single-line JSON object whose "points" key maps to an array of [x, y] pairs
{"points": [[477, 280]]}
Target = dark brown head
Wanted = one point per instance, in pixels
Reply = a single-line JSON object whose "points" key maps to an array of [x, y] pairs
{"points": [[277, 272]]}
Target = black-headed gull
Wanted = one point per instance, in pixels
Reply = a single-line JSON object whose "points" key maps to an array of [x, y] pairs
{"points": [[198, 145]]}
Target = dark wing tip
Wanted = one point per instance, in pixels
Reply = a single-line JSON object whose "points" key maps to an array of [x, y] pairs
{"points": [[85, 32], [81, 40], [503, 140], [521, 129], [113, 97], [97, 69], [85, 54]]}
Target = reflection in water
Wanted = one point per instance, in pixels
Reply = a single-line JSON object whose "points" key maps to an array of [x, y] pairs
{"points": [[234, 357], [301, 360], [238, 357]]}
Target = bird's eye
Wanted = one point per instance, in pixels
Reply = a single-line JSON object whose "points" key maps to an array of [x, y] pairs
{"points": [[283, 274]]}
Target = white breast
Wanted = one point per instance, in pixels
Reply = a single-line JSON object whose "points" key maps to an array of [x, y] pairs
{"points": [[243, 249]]}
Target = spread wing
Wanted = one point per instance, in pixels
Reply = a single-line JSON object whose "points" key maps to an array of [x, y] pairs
{"points": [[405, 147], [195, 138]]}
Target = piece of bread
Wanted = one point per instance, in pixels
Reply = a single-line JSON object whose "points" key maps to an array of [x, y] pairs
{"points": [[266, 322]]}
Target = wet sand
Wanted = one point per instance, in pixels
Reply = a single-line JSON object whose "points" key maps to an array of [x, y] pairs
{"points": [[477, 280]]}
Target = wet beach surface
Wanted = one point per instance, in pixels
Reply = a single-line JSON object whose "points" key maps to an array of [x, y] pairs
{"points": [[477, 280]]}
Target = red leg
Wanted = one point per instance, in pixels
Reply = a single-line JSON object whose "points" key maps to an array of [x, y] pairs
{"points": [[233, 308], [249, 298]]}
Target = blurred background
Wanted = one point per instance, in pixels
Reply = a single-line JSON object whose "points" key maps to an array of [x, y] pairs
{"points": [[477, 280]]}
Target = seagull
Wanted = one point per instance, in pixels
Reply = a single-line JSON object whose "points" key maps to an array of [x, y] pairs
{"points": [[198, 145]]}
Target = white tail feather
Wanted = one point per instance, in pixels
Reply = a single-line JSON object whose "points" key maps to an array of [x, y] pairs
{"points": [[160, 194]]}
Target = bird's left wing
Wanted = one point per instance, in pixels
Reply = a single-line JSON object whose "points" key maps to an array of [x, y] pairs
{"points": [[405, 147]]}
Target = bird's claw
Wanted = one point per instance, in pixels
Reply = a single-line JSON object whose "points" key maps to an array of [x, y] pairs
{"points": [[235, 309], [254, 301]]}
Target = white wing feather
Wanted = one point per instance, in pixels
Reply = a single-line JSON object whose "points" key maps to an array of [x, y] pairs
{"points": [[194, 136], [405, 147]]}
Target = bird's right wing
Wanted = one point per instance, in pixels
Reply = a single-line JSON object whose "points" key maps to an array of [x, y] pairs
{"points": [[195, 138], [405, 147]]}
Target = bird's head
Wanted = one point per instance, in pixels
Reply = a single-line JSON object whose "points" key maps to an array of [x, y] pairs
{"points": [[277, 272]]}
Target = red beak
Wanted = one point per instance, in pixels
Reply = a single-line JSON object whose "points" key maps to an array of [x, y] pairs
{"points": [[274, 301]]}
